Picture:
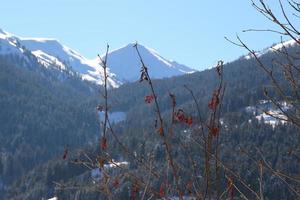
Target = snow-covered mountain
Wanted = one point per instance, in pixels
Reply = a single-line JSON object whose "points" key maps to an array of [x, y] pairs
{"points": [[49, 49], [52, 52], [279, 47], [9, 44], [123, 63]]}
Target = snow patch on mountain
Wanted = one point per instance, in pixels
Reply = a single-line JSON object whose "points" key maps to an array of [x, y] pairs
{"points": [[52, 48], [268, 113], [48, 60], [155, 54], [9, 44], [274, 48], [285, 44], [250, 55]]}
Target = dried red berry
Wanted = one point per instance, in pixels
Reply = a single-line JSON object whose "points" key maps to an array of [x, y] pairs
{"points": [[149, 98], [161, 131], [162, 191], [179, 116], [116, 183], [189, 121], [214, 131], [103, 143]]}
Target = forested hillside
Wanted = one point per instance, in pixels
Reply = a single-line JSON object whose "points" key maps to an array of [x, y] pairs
{"points": [[42, 112], [65, 115]]}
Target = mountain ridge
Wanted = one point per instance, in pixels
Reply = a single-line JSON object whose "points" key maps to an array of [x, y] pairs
{"points": [[50, 51], [129, 71]]}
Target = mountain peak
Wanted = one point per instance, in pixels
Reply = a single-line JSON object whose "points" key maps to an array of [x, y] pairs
{"points": [[4, 34], [140, 46], [125, 63]]}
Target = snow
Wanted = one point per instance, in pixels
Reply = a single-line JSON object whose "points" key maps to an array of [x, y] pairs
{"points": [[276, 47], [48, 60], [4, 35], [114, 117], [268, 118], [263, 101], [123, 63], [116, 164], [50, 52], [53, 198], [45, 40], [9, 44], [8, 47], [96, 173], [54, 49], [155, 54], [250, 55], [286, 44], [268, 113]]}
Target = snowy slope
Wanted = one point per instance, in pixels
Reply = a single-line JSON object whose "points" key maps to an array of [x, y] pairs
{"points": [[286, 44], [52, 51], [124, 62], [9, 44], [279, 47], [266, 112]]}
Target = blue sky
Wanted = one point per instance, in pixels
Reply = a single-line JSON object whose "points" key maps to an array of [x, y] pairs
{"points": [[190, 32]]}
